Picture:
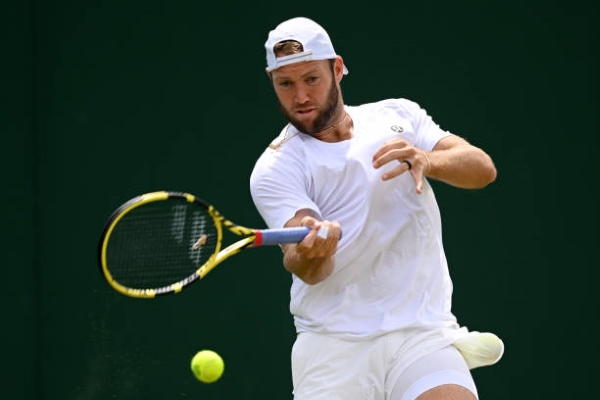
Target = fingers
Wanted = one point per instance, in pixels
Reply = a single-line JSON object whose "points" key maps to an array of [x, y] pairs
{"points": [[407, 157], [394, 172], [322, 240], [322, 229], [395, 150], [415, 171], [391, 150], [419, 185]]}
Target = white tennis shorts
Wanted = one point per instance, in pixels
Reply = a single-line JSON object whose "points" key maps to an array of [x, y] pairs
{"points": [[390, 367]]}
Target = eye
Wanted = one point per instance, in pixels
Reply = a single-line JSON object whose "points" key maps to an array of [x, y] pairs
{"points": [[311, 80], [284, 84]]}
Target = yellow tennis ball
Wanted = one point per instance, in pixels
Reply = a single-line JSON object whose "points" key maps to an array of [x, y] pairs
{"points": [[207, 366]]}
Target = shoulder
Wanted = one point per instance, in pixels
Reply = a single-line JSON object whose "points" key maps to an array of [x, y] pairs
{"points": [[282, 157], [399, 106], [289, 140], [286, 145]]}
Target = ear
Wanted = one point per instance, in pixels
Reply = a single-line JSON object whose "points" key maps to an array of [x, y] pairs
{"points": [[339, 68]]}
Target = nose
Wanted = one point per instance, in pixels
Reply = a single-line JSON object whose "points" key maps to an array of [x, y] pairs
{"points": [[301, 95]]}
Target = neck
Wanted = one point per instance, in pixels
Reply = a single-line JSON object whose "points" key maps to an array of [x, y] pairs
{"points": [[337, 129]]}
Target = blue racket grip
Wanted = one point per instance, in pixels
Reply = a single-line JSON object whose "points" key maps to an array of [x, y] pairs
{"points": [[273, 237]]}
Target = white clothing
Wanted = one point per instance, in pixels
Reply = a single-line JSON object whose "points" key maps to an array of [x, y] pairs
{"points": [[390, 269], [396, 366]]}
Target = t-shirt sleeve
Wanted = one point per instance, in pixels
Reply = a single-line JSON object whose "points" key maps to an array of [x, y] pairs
{"points": [[278, 187], [428, 132]]}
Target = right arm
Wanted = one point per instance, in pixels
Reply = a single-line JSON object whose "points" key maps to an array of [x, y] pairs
{"points": [[311, 260]]}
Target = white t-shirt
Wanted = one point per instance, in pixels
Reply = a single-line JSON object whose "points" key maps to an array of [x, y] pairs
{"points": [[390, 268]]}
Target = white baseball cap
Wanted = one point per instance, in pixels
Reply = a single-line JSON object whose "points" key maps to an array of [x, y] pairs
{"points": [[314, 39]]}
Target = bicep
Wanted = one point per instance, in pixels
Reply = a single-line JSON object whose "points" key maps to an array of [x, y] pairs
{"points": [[450, 142]]}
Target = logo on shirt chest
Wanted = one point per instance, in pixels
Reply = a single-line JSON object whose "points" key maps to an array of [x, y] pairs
{"points": [[397, 128]]}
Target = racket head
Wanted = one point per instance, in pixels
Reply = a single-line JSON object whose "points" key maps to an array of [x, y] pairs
{"points": [[160, 242]]}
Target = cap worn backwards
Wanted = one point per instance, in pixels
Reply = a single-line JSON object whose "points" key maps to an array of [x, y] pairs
{"points": [[314, 39]]}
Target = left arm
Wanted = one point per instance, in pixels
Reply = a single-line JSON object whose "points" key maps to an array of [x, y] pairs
{"points": [[458, 163], [453, 160]]}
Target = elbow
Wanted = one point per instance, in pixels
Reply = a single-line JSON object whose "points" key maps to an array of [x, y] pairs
{"points": [[487, 176], [490, 172], [493, 174], [487, 172]]}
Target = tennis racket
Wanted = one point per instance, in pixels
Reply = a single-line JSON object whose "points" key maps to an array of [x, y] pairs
{"points": [[161, 242]]}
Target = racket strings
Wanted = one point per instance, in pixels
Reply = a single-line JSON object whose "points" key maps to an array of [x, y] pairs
{"points": [[160, 243]]}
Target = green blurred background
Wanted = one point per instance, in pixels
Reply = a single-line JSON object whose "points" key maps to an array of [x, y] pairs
{"points": [[104, 100]]}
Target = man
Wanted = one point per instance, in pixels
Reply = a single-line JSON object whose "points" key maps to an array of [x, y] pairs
{"points": [[371, 291]]}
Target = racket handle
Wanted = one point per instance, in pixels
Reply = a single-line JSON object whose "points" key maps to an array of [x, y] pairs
{"points": [[272, 237]]}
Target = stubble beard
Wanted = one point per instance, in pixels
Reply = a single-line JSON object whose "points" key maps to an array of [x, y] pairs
{"points": [[324, 117]]}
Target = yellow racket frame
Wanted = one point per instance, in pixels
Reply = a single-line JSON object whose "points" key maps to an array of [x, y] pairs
{"points": [[215, 259]]}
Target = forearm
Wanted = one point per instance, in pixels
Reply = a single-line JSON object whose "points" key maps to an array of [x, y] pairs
{"points": [[460, 164], [310, 270], [312, 259]]}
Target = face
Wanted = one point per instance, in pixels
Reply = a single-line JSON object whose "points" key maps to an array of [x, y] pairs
{"points": [[308, 94]]}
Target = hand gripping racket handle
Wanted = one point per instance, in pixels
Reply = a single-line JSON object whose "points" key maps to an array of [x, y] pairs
{"points": [[272, 237]]}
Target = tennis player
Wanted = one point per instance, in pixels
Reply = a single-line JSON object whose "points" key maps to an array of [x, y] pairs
{"points": [[372, 306]]}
